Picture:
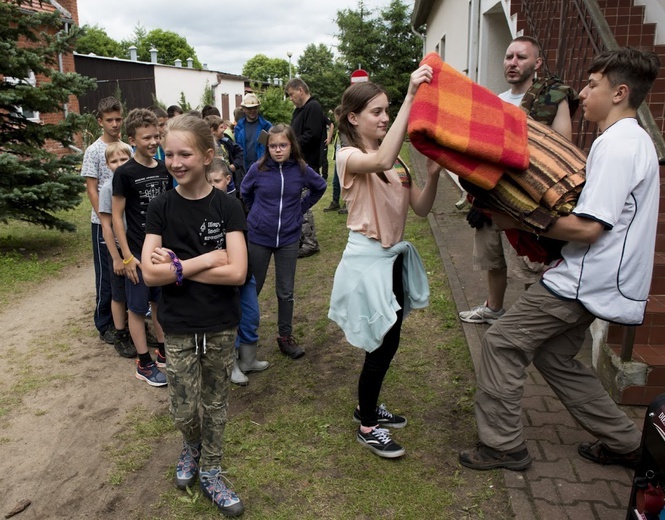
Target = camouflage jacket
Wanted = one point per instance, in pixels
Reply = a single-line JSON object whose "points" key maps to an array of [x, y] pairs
{"points": [[542, 100]]}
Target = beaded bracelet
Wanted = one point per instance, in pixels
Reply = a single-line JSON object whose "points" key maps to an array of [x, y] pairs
{"points": [[177, 267]]}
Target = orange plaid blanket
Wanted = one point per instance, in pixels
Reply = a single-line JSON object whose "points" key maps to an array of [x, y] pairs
{"points": [[466, 128]]}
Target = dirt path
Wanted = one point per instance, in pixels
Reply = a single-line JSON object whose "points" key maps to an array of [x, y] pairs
{"points": [[71, 394]]}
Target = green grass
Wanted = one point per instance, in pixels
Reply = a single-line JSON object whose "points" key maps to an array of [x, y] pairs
{"points": [[131, 449], [290, 448], [30, 254]]}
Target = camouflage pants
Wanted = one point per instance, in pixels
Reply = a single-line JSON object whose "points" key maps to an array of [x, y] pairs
{"points": [[308, 240], [199, 377]]}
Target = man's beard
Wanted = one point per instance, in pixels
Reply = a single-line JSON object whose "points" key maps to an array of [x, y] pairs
{"points": [[525, 76]]}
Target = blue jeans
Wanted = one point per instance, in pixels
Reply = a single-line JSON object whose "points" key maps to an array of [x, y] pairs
{"points": [[286, 258], [249, 321], [100, 254]]}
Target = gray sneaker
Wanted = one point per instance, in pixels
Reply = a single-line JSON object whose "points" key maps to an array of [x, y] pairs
{"points": [[482, 457], [481, 314], [221, 495]]}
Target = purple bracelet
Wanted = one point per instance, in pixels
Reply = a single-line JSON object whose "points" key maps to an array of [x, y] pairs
{"points": [[177, 267]]}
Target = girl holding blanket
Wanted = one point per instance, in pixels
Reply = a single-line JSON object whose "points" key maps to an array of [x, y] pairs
{"points": [[380, 277]]}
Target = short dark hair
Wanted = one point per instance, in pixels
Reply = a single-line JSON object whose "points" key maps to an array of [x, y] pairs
{"points": [[139, 118], [627, 66], [532, 41], [173, 110], [158, 111], [210, 110], [108, 104]]}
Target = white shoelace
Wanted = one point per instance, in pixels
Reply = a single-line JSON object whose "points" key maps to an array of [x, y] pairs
{"points": [[382, 434], [196, 342]]}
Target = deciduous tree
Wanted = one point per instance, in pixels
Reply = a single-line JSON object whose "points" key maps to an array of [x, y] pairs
{"points": [[325, 76], [94, 39], [383, 44], [263, 69], [170, 46]]}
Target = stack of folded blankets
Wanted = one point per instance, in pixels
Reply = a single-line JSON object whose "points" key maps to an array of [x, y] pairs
{"points": [[507, 161]]}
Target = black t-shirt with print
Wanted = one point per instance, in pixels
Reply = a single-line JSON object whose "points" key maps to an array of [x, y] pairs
{"points": [[191, 228], [139, 185]]}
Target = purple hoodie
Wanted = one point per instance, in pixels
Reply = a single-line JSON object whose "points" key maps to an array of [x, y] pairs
{"points": [[275, 203]]}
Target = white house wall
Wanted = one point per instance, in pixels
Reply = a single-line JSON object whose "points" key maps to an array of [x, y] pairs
{"points": [[452, 20], [654, 12], [495, 36], [170, 82], [449, 22]]}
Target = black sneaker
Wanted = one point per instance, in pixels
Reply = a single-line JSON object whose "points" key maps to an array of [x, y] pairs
{"points": [[123, 344], [599, 453], [378, 440], [150, 338], [108, 336], [304, 253], [334, 206], [385, 418], [483, 457], [289, 347]]}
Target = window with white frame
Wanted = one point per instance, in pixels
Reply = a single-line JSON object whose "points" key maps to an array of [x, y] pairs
{"points": [[31, 80]]}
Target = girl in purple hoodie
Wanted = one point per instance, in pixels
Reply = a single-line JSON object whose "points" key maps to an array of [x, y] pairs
{"points": [[277, 190]]}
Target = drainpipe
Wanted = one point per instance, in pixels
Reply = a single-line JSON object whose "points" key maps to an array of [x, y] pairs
{"points": [[474, 40], [61, 68], [422, 36]]}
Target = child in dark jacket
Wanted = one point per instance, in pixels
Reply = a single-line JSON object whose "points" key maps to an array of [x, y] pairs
{"points": [[272, 191]]}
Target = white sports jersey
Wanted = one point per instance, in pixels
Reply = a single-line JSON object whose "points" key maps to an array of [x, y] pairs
{"points": [[611, 277]]}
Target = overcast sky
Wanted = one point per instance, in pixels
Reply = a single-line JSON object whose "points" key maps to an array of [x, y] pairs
{"points": [[225, 34]]}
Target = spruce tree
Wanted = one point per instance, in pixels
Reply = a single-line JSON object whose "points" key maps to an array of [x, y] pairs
{"points": [[35, 182]]}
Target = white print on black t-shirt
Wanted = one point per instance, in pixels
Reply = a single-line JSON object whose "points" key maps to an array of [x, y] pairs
{"points": [[152, 189], [213, 233]]}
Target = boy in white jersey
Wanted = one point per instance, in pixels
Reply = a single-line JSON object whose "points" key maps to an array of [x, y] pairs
{"points": [[97, 173], [605, 272]]}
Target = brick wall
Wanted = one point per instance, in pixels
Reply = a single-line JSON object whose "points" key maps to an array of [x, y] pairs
{"points": [[67, 65]]}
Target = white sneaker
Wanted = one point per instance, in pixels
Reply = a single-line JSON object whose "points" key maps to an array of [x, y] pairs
{"points": [[481, 314]]}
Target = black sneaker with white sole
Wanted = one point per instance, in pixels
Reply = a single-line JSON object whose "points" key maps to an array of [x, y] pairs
{"points": [[384, 418], [378, 440]]}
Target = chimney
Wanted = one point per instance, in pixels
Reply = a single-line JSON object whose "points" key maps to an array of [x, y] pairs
{"points": [[178, 63], [153, 55], [190, 63], [205, 66], [132, 53]]}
